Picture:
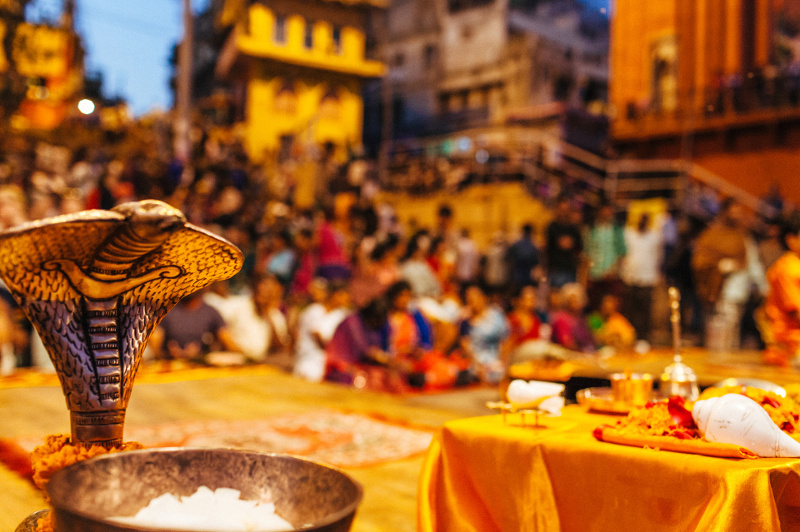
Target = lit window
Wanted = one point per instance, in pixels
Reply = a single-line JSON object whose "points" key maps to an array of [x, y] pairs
{"points": [[280, 29], [336, 36], [309, 37], [430, 55]]}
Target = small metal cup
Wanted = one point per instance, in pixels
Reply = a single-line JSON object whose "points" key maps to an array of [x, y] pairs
{"points": [[635, 389]]}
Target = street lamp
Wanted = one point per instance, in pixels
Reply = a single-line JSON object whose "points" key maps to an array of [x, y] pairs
{"points": [[86, 106]]}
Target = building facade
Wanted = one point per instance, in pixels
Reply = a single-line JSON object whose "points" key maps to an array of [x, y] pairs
{"points": [[698, 66], [461, 64], [298, 66]]}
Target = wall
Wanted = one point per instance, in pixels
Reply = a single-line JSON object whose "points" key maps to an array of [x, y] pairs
{"points": [[312, 93], [272, 113], [635, 27], [474, 38]]}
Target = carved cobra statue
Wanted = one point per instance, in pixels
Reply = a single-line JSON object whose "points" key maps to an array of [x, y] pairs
{"points": [[95, 284]]}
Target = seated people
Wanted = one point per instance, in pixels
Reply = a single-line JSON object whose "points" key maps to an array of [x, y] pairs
{"points": [[416, 270], [356, 354], [191, 330], [409, 339], [316, 325], [610, 327], [569, 325], [524, 324], [255, 321], [408, 333], [282, 263], [482, 332], [374, 278], [306, 264]]}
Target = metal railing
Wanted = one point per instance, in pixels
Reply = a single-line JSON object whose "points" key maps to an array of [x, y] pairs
{"points": [[622, 180]]}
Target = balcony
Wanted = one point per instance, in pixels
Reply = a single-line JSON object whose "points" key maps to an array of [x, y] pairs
{"points": [[737, 101]]}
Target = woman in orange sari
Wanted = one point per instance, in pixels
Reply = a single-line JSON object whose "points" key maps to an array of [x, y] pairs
{"points": [[782, 307], [409, 341]]}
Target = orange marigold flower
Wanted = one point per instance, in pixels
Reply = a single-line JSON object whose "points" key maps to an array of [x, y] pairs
{"points": [[58, 452]]}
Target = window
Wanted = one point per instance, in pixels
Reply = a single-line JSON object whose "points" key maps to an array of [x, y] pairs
{"points": [[279, 36], [336, 37], [309, 36], [286, 98], [430, 55], [461, 5]]}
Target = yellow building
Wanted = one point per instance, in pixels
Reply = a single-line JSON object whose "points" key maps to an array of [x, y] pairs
{"points": [[299, 66]]}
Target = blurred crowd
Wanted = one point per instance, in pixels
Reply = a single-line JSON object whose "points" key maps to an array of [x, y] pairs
{"points": [[345, 292]]}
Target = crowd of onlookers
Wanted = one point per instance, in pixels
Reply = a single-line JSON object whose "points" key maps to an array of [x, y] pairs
{"points": [[345, 292]]}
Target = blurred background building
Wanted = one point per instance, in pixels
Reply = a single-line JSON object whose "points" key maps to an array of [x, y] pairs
{"points": [[494, 69], [298, 68], [634, 100]]}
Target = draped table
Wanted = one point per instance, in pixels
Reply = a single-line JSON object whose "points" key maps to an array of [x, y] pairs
{"points": [[485, 474]]}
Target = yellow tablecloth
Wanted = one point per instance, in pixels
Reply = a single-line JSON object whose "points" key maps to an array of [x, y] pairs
{"points": [[482, 475]]}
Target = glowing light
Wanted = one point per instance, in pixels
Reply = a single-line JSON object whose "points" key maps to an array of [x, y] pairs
{"points": [[86, 106]]}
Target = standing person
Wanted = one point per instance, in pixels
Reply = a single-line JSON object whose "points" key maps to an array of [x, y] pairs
{"points": [[564, 246], [467, 258], [495, 272], [445, 229], [640, 273], [771, 248], [726, 266], [605, 247], [782, 307], [523, 259]]}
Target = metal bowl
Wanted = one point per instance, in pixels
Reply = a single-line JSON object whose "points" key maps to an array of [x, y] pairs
{"points": [[310, 495], [30, 524]]}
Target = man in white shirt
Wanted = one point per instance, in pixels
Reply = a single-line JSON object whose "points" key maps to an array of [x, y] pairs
{"points": [[641, 268], [467, 258], [316, 326], [255, 321]]}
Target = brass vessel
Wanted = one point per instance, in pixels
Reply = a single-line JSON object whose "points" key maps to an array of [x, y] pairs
{"points": [[678, 378], [634, 389]]}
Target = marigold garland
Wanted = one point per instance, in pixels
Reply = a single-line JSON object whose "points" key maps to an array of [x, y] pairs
{"points": [[660, 419], [656, 419], [58, 452], [45, 524]]}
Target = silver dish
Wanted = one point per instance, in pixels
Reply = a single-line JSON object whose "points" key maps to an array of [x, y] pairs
{"points": [[308, 494]]}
